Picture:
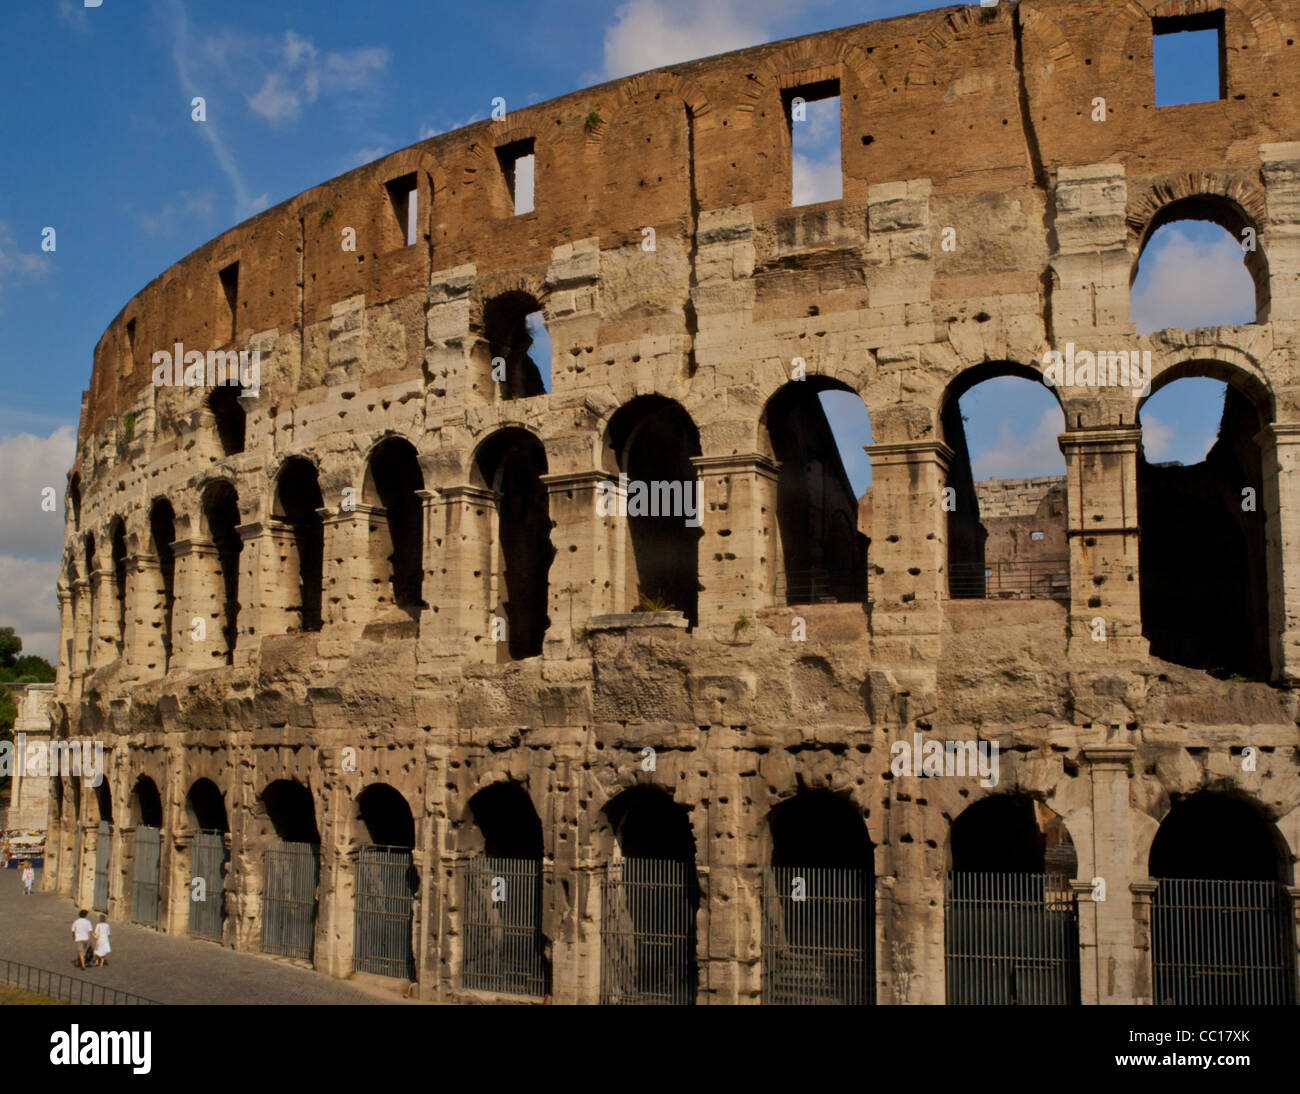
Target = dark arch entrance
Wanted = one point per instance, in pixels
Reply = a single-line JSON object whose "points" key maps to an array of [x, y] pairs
{"points": [[393, 479], [297, 503], [291, 869], [650, 900], [1011, 927], [162, 534], [819, 936], [146, 859], [207, 824], [505, 949], [386, 883], [221, 514], [1222, 924]]}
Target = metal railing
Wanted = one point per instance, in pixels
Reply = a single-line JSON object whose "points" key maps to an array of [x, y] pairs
{"points": [[647, 932], [385, 895], [289, 899], [1011, 939], [1222, 943], [144, 875], [1028, 579], [502, 919], [819, 936], [208, 861], [822, 586], [68, 989]]}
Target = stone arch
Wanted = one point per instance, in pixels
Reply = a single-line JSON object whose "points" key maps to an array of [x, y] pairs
{"points": [[1131, 22], [500, 820], [391, 489], [146, 803], [205, 807], [811, 61], [1232, 366], [297, 504], [1225, 835], [614, 102], [949, 26], [288, 812], [220, 516]]}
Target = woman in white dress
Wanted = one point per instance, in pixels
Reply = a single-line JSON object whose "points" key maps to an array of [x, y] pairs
{"points": [[102, 948]]}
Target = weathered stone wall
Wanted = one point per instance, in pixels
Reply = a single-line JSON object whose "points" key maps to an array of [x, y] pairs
{"points": [[970, 119]]}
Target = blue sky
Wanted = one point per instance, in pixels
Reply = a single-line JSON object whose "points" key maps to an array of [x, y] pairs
{"points": [[101, 147]]}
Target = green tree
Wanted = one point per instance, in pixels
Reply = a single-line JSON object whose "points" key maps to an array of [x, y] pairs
{"points": [[29, 669], [8, 714], [10, 647]]}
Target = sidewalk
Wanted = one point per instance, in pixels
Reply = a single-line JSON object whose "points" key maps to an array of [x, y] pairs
{"points": [[36, 930]]}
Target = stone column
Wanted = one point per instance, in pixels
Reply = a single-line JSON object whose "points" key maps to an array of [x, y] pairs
{"points": [[199, 597], [84, 625], [1110, 959], [105, 649], [463, 521], [1143, 987], [739, 550], [144, 653], [581, 581], [259, 595], [346, 597], [1102, 529], [908, 548], [1280, 444], [732, 972], [64, 667]]}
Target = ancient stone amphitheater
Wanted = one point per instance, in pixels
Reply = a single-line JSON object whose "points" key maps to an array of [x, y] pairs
{"points": [[387, 685]]}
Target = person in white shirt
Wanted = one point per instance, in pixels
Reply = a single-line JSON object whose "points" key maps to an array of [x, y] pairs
{"points": [[102, 948], [29, 876], [81, 928]]}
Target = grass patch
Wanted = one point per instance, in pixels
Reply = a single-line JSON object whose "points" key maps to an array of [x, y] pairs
{"points": [[10, 995]]}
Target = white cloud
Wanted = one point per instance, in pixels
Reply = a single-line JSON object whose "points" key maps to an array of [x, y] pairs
{"points": [[1157, 438], [651, 33], [1017, 456], [30, 603], [74, 16], [816, 180], [31, 464], [199, 206], [297, 75], [1187, 282], [18, 267]]}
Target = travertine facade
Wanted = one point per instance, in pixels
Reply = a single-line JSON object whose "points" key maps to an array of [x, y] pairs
{"points": [[387, 570]]}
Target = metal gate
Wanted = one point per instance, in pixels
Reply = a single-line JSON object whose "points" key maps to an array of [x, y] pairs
{"points": [[502, 920], [1222, 943], [1011, 939], [144, 875], [208, 862], [103, 849], [385, 892], [647, 932], [819, 936], [289, 899], [76, 863]]}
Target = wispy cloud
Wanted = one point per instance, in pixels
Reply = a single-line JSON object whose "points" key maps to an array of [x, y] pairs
{"points": [[199, 206], [17, 266], [295, 73], [1018, 454], [32, 465], [74, 16], [1192, 277]]}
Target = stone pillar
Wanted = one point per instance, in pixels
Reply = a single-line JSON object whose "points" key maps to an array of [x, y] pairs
{"points": [[145, 655], [1109, 961], [908, 548], [346, 595], [261, 597], [435, 982], [463, 530], [64, 667], [84, 625], [1102, 529], [739, 550], [1143, 890], [1280, 444], [105, 649], [200, 595], [1090, 296], [732, 972], [1280, 239], [581, 581]]}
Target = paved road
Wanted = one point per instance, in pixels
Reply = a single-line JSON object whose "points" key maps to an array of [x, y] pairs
{"points": [[36, 930]]}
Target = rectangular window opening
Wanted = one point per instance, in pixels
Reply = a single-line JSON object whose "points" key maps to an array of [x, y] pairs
{"points": [[812, 116], [1189, 59], [518, 165], [230, 286], [404, 195]]}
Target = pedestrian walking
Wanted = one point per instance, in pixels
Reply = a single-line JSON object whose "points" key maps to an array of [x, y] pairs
{"points": [[29, 875], [81, 929], [102, 948]]}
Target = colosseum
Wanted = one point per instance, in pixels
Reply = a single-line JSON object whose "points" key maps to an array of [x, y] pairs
{"points": [[418, 656]]}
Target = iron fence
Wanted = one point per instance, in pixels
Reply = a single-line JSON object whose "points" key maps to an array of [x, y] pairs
{"points": [[385, 896], [208, 861], [818, 936], [1028, 579], [76, 862], [1222, 943], [504, 949], [647, 932], [69, 989], [822, 586], [103, 851], [1011, 939], [289, 899], [144, 875]]}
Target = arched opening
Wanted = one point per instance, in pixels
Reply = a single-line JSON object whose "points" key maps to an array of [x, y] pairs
{"points": [[206, 819], [652, 441], [1222, 925], [74, 502], [392, 490], [146, 859], [386, 884], [1203, 525], [505, 950], [1200, 264], [117, 540], [1006, 491], [162, 534], [291, 869], [298, 503], [221, 515], [92, 577], [518, 344], [1011, 925], [823, 553], [649, 902], [819, 936], [103, 846], [511, 463], [228, 415]]}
